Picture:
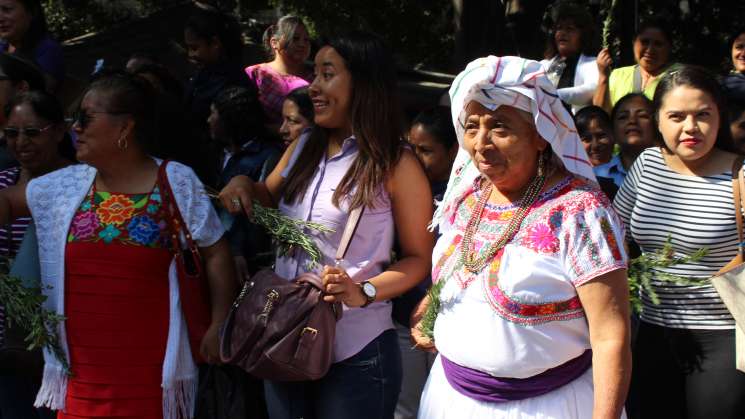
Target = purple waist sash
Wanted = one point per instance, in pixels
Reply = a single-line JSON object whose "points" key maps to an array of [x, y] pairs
{"points": [[481, 386]]}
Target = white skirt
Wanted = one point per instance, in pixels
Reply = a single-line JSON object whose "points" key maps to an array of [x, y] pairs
{"points": [[441, 401]]}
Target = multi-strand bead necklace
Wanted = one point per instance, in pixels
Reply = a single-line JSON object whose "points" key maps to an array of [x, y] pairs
{"points": [[476, 261]]}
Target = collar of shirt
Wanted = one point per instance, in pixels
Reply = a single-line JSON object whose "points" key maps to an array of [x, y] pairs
{"points": [[613, 169]]}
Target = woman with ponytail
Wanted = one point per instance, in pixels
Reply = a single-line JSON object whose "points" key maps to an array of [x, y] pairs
{"points": [[288, 44]]}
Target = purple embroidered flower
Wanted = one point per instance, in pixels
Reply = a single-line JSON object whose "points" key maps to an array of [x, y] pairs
{"points": [[84, 225], [143, 230]]}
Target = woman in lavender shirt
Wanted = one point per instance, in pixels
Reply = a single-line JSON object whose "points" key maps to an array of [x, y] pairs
{"points": [[353, 157]]}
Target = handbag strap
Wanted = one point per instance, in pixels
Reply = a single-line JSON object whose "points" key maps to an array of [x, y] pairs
{"points": [[738, 186], [352, 222], [176, 221]]}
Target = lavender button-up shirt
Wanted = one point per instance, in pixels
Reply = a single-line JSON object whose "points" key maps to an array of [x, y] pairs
{"points": [[368, 254]]}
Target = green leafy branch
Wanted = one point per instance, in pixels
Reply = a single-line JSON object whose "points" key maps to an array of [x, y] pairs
{"points": [[608, 23], [24, 308], [649, 266], [288, 233], [427, 325]]}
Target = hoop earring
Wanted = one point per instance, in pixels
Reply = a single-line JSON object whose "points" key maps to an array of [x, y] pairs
{"points": [[122, 143]]}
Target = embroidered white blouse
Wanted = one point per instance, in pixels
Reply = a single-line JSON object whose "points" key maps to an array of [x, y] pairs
{"points": [[521, 314]]}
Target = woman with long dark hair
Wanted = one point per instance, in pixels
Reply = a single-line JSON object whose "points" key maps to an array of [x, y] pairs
{"points": [[353, 157]]}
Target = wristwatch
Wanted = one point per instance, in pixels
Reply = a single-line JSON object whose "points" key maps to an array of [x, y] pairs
{"points": [[369, 291]]}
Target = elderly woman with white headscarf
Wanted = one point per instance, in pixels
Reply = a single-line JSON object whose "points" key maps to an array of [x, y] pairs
{"points": [[533, 310]]}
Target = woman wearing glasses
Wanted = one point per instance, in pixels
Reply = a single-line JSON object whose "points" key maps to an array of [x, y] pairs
{"points": [[108, 268], [35, 135]]}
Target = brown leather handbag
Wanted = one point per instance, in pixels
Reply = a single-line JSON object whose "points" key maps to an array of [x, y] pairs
{"points": [[282, 330]]}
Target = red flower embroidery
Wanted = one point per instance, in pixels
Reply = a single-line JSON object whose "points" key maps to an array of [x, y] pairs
{"points": [[115, 210]]}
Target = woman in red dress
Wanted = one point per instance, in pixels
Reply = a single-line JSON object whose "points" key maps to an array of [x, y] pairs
{"points": [[104, 250]]}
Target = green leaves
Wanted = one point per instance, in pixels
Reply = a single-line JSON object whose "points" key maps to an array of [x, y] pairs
{"points": [[427, 326], [649, 266], [24, 308], [288, 233]]}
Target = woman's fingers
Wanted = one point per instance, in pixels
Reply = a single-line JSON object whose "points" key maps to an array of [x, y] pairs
{"points": [[236, 196]]}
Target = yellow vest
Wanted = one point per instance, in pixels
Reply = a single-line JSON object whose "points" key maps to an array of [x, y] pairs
{"points": [[621, 82]]}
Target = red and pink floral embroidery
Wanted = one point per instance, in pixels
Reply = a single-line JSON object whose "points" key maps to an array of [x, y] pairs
{"points": [[541, 238], [525, 313]]}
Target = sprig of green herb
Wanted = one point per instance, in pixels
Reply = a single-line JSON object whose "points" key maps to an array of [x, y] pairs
{"points": [[608, 23], [24, 308], [427, 325], [649, 266], [288, 233]]}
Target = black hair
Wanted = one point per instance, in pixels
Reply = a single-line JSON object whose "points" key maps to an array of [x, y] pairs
{"points": [[18, 69], [301, 98], [241, 114], [208, 23], [658, 23], [580, 17], [437, 121], [38, 28], [375, 116], [628, 97], [46, 106], [589, 113], [735, 107], [169, 84], [734, 36], [697, 78], [133, 95]]}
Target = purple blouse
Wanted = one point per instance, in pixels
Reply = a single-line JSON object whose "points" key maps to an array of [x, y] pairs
{"points": [[368, 254]]}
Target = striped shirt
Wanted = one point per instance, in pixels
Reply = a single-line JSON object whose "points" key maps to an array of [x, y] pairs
{"points": [[656, 202], [10, 243]]}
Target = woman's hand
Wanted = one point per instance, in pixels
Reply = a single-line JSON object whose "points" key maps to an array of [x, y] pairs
{"points": [[238, 195], [339, 287], [417, 337], [604, 61], [210, 345]]}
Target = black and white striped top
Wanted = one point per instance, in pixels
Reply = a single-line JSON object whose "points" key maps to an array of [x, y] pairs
{"points": [[655, 202]]}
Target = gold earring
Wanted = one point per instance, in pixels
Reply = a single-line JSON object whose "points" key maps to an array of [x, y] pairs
{"points": [[541, 164], [122, 143]]}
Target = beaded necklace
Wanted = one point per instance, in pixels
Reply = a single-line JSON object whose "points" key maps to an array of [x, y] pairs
{"points": [[470, 258]]}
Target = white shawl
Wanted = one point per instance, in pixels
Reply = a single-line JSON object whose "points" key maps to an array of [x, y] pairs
{"points": [[53, 200]]}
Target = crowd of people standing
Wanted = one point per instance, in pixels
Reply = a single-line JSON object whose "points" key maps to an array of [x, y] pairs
{"points": [[506, 219]]}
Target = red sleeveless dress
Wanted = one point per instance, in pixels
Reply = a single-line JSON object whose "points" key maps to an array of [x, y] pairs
{"points": [[117, 306]]}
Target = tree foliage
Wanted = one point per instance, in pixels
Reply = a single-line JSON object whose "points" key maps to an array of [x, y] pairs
{"points": [[418, 31]]}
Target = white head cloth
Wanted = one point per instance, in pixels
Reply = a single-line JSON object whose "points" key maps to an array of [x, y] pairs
{"points": [[512, 81]]}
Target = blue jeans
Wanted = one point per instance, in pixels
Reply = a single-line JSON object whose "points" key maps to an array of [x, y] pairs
{"points": [[365, 386]]}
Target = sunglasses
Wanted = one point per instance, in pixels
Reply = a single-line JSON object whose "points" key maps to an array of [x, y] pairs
{"points": [[12, 133], [84, 118]]}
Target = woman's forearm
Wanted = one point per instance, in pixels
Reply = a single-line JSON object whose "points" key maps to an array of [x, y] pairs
{"points": [[221, 277], [400, 277], [600, 98], [611, 373]]}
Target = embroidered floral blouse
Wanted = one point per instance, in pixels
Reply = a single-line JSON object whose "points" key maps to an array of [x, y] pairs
{"points": [[130, 219], [521, 314]]}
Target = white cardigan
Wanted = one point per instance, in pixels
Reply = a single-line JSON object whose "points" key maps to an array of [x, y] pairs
{"points": [[53, 200], [585, 82]]}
